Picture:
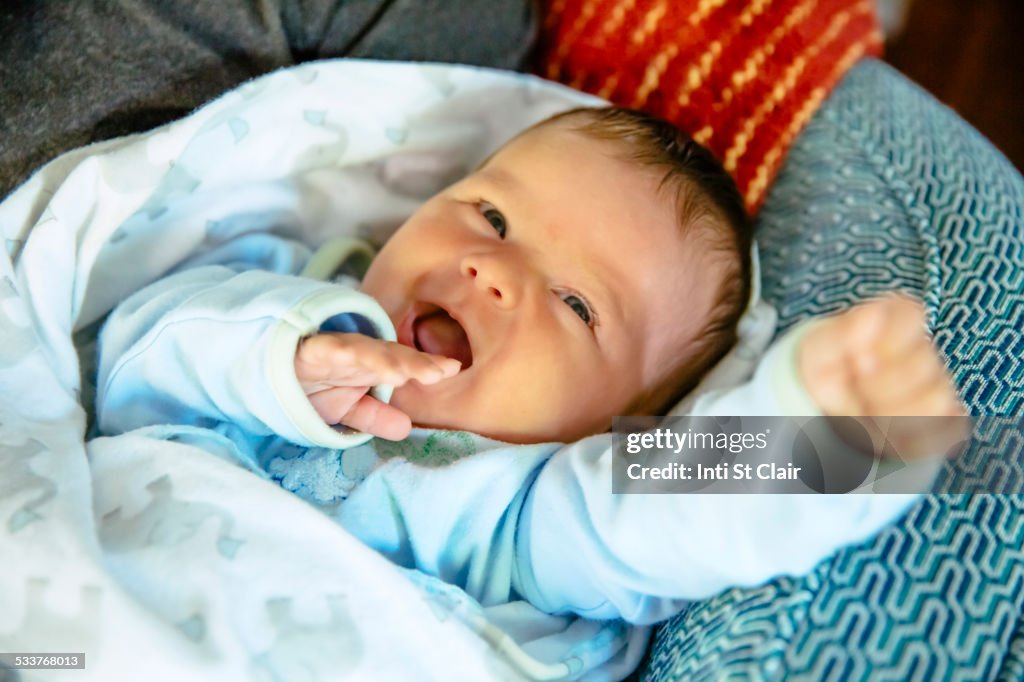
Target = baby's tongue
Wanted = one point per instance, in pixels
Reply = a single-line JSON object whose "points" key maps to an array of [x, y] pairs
{"points": [[439, 334]]}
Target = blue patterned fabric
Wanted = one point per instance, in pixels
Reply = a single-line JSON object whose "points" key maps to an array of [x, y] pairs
{"points": [[888, 189]]}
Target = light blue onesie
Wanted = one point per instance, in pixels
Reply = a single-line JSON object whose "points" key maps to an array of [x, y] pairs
{"points": [[207, 352]]}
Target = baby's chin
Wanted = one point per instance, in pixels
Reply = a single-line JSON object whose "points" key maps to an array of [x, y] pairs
{"points": [[458, 404], [430, 408], [420, 403], [450, 415]]}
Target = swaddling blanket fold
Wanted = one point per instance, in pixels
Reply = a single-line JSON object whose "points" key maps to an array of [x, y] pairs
{"points": [[147, 553]]}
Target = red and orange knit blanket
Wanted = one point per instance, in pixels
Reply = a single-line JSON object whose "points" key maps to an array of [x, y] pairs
{"points": [[741, 76]]}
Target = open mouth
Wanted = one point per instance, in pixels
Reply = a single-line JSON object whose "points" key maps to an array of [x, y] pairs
{"points": [[435, 331]]}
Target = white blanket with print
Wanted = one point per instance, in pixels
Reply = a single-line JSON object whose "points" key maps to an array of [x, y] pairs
{"points": [[158, 560]]}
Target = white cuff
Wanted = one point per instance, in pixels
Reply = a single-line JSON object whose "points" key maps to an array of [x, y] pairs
{"points": [[304, 424], [792, 396]]}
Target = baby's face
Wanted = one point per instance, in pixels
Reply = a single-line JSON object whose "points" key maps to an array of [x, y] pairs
{"points": [[556, 273]]}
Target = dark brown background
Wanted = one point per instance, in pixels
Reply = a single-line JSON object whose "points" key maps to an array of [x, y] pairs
{"points": [[970, 55]]}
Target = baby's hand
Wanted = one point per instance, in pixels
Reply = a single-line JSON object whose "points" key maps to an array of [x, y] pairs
{"points": [[336, 370], [876, 359]]}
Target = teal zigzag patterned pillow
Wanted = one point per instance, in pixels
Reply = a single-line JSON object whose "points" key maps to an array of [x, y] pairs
{"points": [[888, 189]]}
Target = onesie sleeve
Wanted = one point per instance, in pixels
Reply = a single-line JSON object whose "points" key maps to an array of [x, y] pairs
{"points": [[216, 343], [773, 390], [582, 549]]}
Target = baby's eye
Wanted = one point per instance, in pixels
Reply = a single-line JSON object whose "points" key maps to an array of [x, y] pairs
{"points": [[580, 307], [494, 217]]}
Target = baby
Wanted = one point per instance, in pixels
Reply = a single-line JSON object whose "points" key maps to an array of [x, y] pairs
{"points": [[596, 265]]}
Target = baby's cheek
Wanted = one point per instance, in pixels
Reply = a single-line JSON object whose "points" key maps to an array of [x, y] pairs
{"points": [[566, 408], [436, 406], [405, 398]]}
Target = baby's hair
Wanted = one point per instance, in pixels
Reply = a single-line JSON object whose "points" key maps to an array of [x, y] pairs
{"points": [[709, 208]]}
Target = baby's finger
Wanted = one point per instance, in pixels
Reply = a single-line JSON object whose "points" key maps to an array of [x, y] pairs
{"points": [[824, 369], [881, 329], [895, 384], [323, 361], [937, 399], [904, 330], [333, 403], [370, 415], [396, 364], [916, 437], [831, 387], [342, 359], [427, 368]]}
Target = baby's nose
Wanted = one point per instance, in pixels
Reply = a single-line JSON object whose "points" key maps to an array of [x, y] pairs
{"points": [[492, 278]]}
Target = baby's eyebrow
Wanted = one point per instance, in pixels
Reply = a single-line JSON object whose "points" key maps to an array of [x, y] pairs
{"points": [[500, 176]]}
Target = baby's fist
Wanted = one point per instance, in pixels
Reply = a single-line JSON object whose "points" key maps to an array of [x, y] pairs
{"points": [[876, 359], [336, 371]]}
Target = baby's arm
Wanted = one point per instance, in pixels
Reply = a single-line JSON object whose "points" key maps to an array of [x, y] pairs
{"points": [[638, 555], [872, 361], [217, 343]]}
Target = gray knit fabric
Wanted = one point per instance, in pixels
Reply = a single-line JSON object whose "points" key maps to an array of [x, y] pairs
{"points": [[76, 72]]}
